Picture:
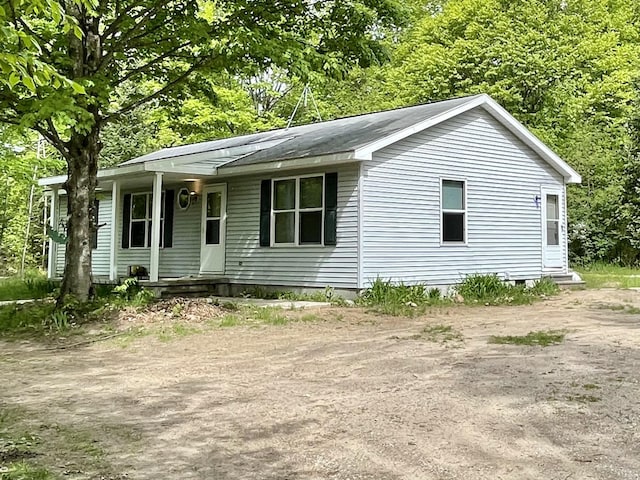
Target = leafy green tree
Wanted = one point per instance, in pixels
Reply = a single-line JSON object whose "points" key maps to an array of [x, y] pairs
{"points": [[115, 43]]}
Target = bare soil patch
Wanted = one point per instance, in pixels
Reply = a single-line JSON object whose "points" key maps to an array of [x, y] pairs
{"points": [[349, 395]]}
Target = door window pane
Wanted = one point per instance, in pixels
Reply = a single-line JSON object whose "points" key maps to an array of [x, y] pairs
{"points": [[552, 207], [139, 206], [138, 234], [453, 227], [311, 227], [285, 195], [452, 195], [285, 227], [214, 202], [213, 232], [311, 192], [553, 233]]}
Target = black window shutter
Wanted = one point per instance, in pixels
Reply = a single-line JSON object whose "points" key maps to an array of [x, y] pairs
{"points": [[265, 213], [168, 218], [330, 208], [126, 220]]}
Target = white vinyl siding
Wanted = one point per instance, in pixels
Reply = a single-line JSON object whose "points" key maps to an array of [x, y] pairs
{"points": [[99, 255], [183, 258], [310, 266], [401, 204]]}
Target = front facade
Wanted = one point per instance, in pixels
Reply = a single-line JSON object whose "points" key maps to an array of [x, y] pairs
{"points": [[460, 189]]}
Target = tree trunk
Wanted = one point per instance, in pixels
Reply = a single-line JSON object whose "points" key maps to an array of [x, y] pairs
{"points": [[80, 187]]}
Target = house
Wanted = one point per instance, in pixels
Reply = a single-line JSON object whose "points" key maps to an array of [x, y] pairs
{"points": [[428, 193]]}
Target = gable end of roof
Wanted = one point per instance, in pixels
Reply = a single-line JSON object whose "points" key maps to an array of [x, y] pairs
{"points": [[494, 109]]}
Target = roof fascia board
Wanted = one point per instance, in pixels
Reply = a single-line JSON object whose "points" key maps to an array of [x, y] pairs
{"points": [[102, 175], [366, 152], [533, 142], [306, 162], [186, 170], [52, 181]]}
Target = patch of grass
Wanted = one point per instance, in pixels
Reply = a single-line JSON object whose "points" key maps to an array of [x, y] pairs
{"points": [[34, 285], [490, 290], [617, 307], [27, 319], [269, 315], [541, 338], [590, 386], [26, 456], [583, 398], [398, 299], [229, 320], [602, 275], [23, 470], [440, 334]]}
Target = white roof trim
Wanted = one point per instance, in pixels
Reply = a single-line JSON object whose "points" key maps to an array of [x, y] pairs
{"points": [[491, 106], [102, 175]]}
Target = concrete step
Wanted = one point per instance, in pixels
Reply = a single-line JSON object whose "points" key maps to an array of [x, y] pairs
{"points": [[567, 280]]}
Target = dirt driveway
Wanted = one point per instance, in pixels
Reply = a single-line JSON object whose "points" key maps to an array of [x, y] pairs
{"points": [[354, 396]]}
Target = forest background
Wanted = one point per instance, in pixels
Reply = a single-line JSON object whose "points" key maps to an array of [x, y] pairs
{"points": [[568, 69]]}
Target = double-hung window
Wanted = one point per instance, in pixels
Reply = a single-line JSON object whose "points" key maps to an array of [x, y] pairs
{"points": [[140, 220], [298, 210], [453, 211]]}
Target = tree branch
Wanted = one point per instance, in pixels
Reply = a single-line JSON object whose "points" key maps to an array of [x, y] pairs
{"points": [[153, 62], [157, 93]]}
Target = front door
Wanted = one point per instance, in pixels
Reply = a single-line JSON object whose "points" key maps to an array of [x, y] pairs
{"points": [[552, 228], [214, 214]]}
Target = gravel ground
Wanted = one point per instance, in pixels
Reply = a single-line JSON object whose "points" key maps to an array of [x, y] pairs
{"points": [[353, 395]]}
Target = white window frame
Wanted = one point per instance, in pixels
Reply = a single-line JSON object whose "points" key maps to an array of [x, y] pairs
{"points": [[296, 211], [146, 220], [464, 211]]}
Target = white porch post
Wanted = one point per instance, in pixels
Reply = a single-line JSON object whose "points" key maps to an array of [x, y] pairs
{"points": [[154, 263], [113, 241], [53, 221]]}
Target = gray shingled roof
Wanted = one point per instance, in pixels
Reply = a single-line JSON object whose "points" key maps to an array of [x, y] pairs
{"points": [[317, 139]]}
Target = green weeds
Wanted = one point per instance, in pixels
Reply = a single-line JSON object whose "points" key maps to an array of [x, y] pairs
{"points": [[541, 338], [442, 334], [399, 299], [490, 290], [34, 286], [628, 309]]}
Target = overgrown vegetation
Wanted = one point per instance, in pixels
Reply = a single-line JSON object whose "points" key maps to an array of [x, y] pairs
{"points": [[387, 297], [32, 285], [490, 290], [41, 317], [601, 275], [541, 338]]}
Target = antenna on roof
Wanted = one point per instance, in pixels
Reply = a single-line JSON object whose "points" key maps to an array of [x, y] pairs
{"points": [[304, 97]]}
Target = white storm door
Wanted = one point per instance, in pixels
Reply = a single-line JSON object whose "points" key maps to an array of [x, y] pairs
{"points": [[214, 213], [552, 228]]}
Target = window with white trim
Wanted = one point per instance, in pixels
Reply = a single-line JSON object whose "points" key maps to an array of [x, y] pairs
{"points": [[454, 211], [298, 210], [140, 220]]}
